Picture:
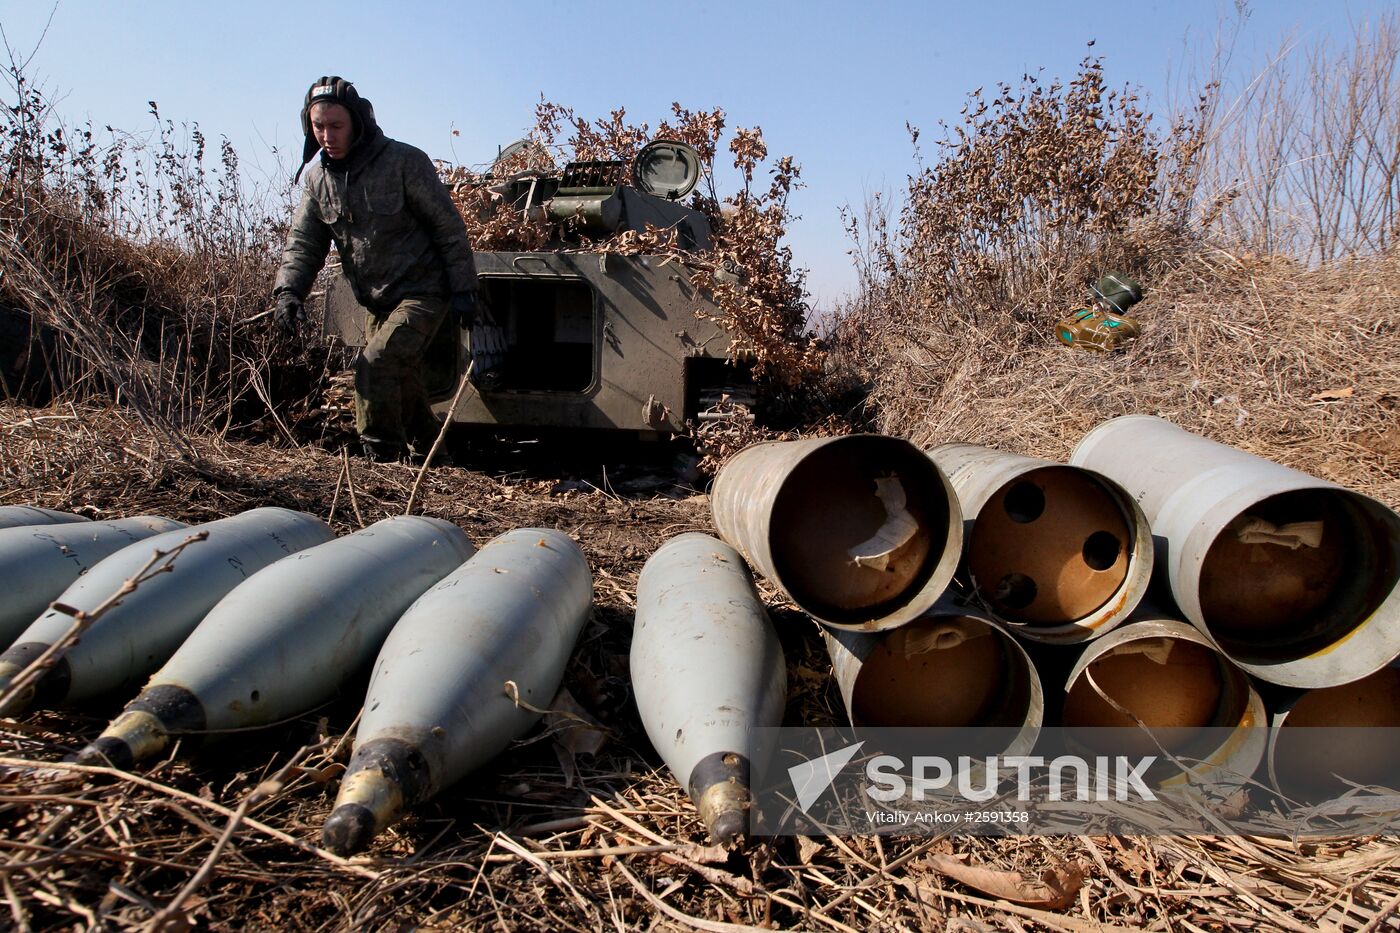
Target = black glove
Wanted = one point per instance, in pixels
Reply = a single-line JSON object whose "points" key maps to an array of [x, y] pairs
{"points": [[289, 314], [469, 307]]}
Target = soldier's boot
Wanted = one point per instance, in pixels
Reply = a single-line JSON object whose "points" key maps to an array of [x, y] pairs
{"points": [[379, 451]]}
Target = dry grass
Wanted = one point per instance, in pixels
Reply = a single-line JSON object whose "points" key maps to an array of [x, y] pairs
{"points": [[1299, 366], [146, 264], [1302, 160]]}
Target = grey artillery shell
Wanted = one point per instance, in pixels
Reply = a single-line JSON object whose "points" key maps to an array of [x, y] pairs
{"points": [[1059, 552], [134, 638], [706, 670], [288, 637], [14, 516], [1296, 579], [862, 531], [39, 562], [438, 705]]}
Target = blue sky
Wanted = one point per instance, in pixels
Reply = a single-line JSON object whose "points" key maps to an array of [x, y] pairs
{"points": [[832, 84]]}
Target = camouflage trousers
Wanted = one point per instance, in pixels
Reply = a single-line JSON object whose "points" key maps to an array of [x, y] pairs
{"points": [[391, 407]]}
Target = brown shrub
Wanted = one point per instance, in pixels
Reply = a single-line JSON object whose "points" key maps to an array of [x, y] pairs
{"points": [[1042, 190], [150, 264]]}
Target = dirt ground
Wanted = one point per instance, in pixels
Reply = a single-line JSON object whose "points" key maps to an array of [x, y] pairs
{"points": [[547, 837]]}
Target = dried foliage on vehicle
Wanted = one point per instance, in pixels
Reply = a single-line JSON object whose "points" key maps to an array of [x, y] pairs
{"points": [[748, 271]]}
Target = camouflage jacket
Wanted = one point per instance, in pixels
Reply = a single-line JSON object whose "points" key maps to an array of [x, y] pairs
{"points": [[393, 223]]}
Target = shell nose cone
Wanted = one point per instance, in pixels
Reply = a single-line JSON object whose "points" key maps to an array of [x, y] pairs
{"points": [[107, 752], [719, 785], [18, 704], [46, 691], [348, 830], [728, 827]]}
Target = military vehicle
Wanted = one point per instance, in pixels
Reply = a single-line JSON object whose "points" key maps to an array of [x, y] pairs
{"points": [[595, 339]]}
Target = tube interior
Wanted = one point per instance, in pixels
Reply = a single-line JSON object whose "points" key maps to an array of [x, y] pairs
{"points": [[1051, 547], [1170, 684], [1165, 682], [1298, 572], [942, 673], [1347, 732], [858, 528]]}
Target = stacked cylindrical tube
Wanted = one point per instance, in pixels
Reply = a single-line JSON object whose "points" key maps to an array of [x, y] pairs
{"points": [[1288, 583], [864, 533], [1294, 579], [1058, 553]]}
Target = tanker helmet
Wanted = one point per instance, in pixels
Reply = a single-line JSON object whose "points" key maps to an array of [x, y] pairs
{"points": [[334, 89]]}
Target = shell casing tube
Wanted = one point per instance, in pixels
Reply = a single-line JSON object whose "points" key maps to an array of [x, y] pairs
{"points": [[707, 669], [137, 635], [1296, 579], [1060, 552], [1326, 742], [443, 696], [949, 669], [863, 532], [1167, 678], [39, 562]]}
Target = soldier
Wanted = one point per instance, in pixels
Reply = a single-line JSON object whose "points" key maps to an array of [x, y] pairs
{"points": [[403, 248]]}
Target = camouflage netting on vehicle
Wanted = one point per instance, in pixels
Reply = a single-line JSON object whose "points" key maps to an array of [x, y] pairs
{"points": [[749, 272]]}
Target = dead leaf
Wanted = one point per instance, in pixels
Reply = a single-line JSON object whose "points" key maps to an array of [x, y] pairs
{"points": [[1131, 861], [807, 848], [1333, 395], [1387, 443], [1055, 889], [322, 775], [705, 855], [575, 732]]}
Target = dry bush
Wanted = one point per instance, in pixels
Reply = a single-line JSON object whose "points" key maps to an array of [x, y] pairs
{"points": [[1039, 188], [1041, 191], [1304, 161], [749, 273], [150, 262]]}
